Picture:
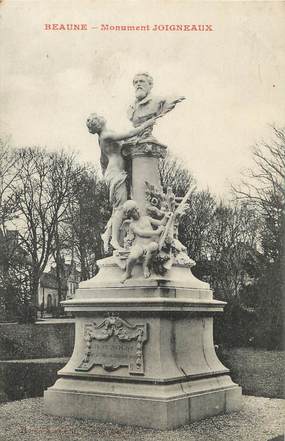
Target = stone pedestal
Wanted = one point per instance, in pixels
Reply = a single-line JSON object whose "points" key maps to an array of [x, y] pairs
{"points": [[143, 157], [144, 352]]}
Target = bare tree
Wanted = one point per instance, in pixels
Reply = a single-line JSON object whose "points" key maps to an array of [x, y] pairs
{"points": [[173, 174], [263, 188], [7, 178], [263, 185], [197, 223], [86, 220], [219, 237], [43, 192], [15, 275], [14, 265], [231, 243]]}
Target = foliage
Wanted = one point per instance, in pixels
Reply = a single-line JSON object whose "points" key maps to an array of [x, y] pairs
{"points": [[86, 220], [42, 192], [50, 206], [24, 379], [7, 177], [174, 175], [220, 237], [232, 241], [263, 188], [196, 228], [14, 266], [258, 372]]}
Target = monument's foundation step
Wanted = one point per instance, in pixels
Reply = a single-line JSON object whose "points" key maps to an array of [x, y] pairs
{"points": [[153, 406]]}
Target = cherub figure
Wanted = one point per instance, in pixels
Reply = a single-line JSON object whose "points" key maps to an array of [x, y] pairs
{"points": [[145, 243], [113, 169]]}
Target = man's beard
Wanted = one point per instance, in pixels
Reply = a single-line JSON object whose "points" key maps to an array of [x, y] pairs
{"points": [[141, 93]]}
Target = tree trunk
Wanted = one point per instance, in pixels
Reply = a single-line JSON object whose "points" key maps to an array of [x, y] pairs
{"points": [[31, 313]]}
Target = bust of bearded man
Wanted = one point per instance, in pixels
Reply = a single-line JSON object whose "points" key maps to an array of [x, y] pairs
{"points": [[147, 106]]}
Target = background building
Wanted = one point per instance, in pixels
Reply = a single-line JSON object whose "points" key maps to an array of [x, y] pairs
{"points": [[49, 295]]}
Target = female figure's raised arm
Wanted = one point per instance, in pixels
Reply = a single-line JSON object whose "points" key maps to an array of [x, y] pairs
{"points": [[113, 136]]}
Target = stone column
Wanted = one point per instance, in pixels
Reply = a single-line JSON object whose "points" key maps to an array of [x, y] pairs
{"points": [[144, 158]]}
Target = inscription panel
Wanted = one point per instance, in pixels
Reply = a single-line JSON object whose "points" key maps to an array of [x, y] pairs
{"points": [[114, 343]]}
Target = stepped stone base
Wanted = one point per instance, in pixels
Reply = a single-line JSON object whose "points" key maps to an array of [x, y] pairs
{"points": [[158, 407], [144, 353]]}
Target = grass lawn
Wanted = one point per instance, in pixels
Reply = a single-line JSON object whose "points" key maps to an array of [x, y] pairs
{"points": [[259, 372]]}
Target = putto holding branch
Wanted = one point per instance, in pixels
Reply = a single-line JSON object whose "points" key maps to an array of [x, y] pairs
{"points": [[145, 238]]}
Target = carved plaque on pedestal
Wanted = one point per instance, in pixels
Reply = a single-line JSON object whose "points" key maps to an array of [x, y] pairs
{"points": [[114, 343]]}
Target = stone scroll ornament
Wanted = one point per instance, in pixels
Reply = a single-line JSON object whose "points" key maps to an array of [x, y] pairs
{"points": [[114, 343]]}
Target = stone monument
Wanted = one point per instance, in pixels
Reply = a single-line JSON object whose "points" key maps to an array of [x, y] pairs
{"points": [[144, 352]]}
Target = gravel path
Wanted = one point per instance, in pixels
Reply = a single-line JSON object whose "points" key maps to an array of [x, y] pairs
{"points": [[259, 420]]}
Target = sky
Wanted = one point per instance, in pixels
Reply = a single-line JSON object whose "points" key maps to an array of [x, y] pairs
{"points": [[232, 77]]}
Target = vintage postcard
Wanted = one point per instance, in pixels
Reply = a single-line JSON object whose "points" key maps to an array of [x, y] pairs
{"points": [[142, 167]]}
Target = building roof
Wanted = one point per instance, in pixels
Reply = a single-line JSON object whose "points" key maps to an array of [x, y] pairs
{"points": [[49, 280]]}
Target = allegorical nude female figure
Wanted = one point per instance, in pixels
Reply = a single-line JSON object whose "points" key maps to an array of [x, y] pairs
{"points": [[113, 169]]}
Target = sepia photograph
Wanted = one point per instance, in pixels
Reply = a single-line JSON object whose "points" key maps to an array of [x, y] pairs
{"points": [[142, 220]]}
